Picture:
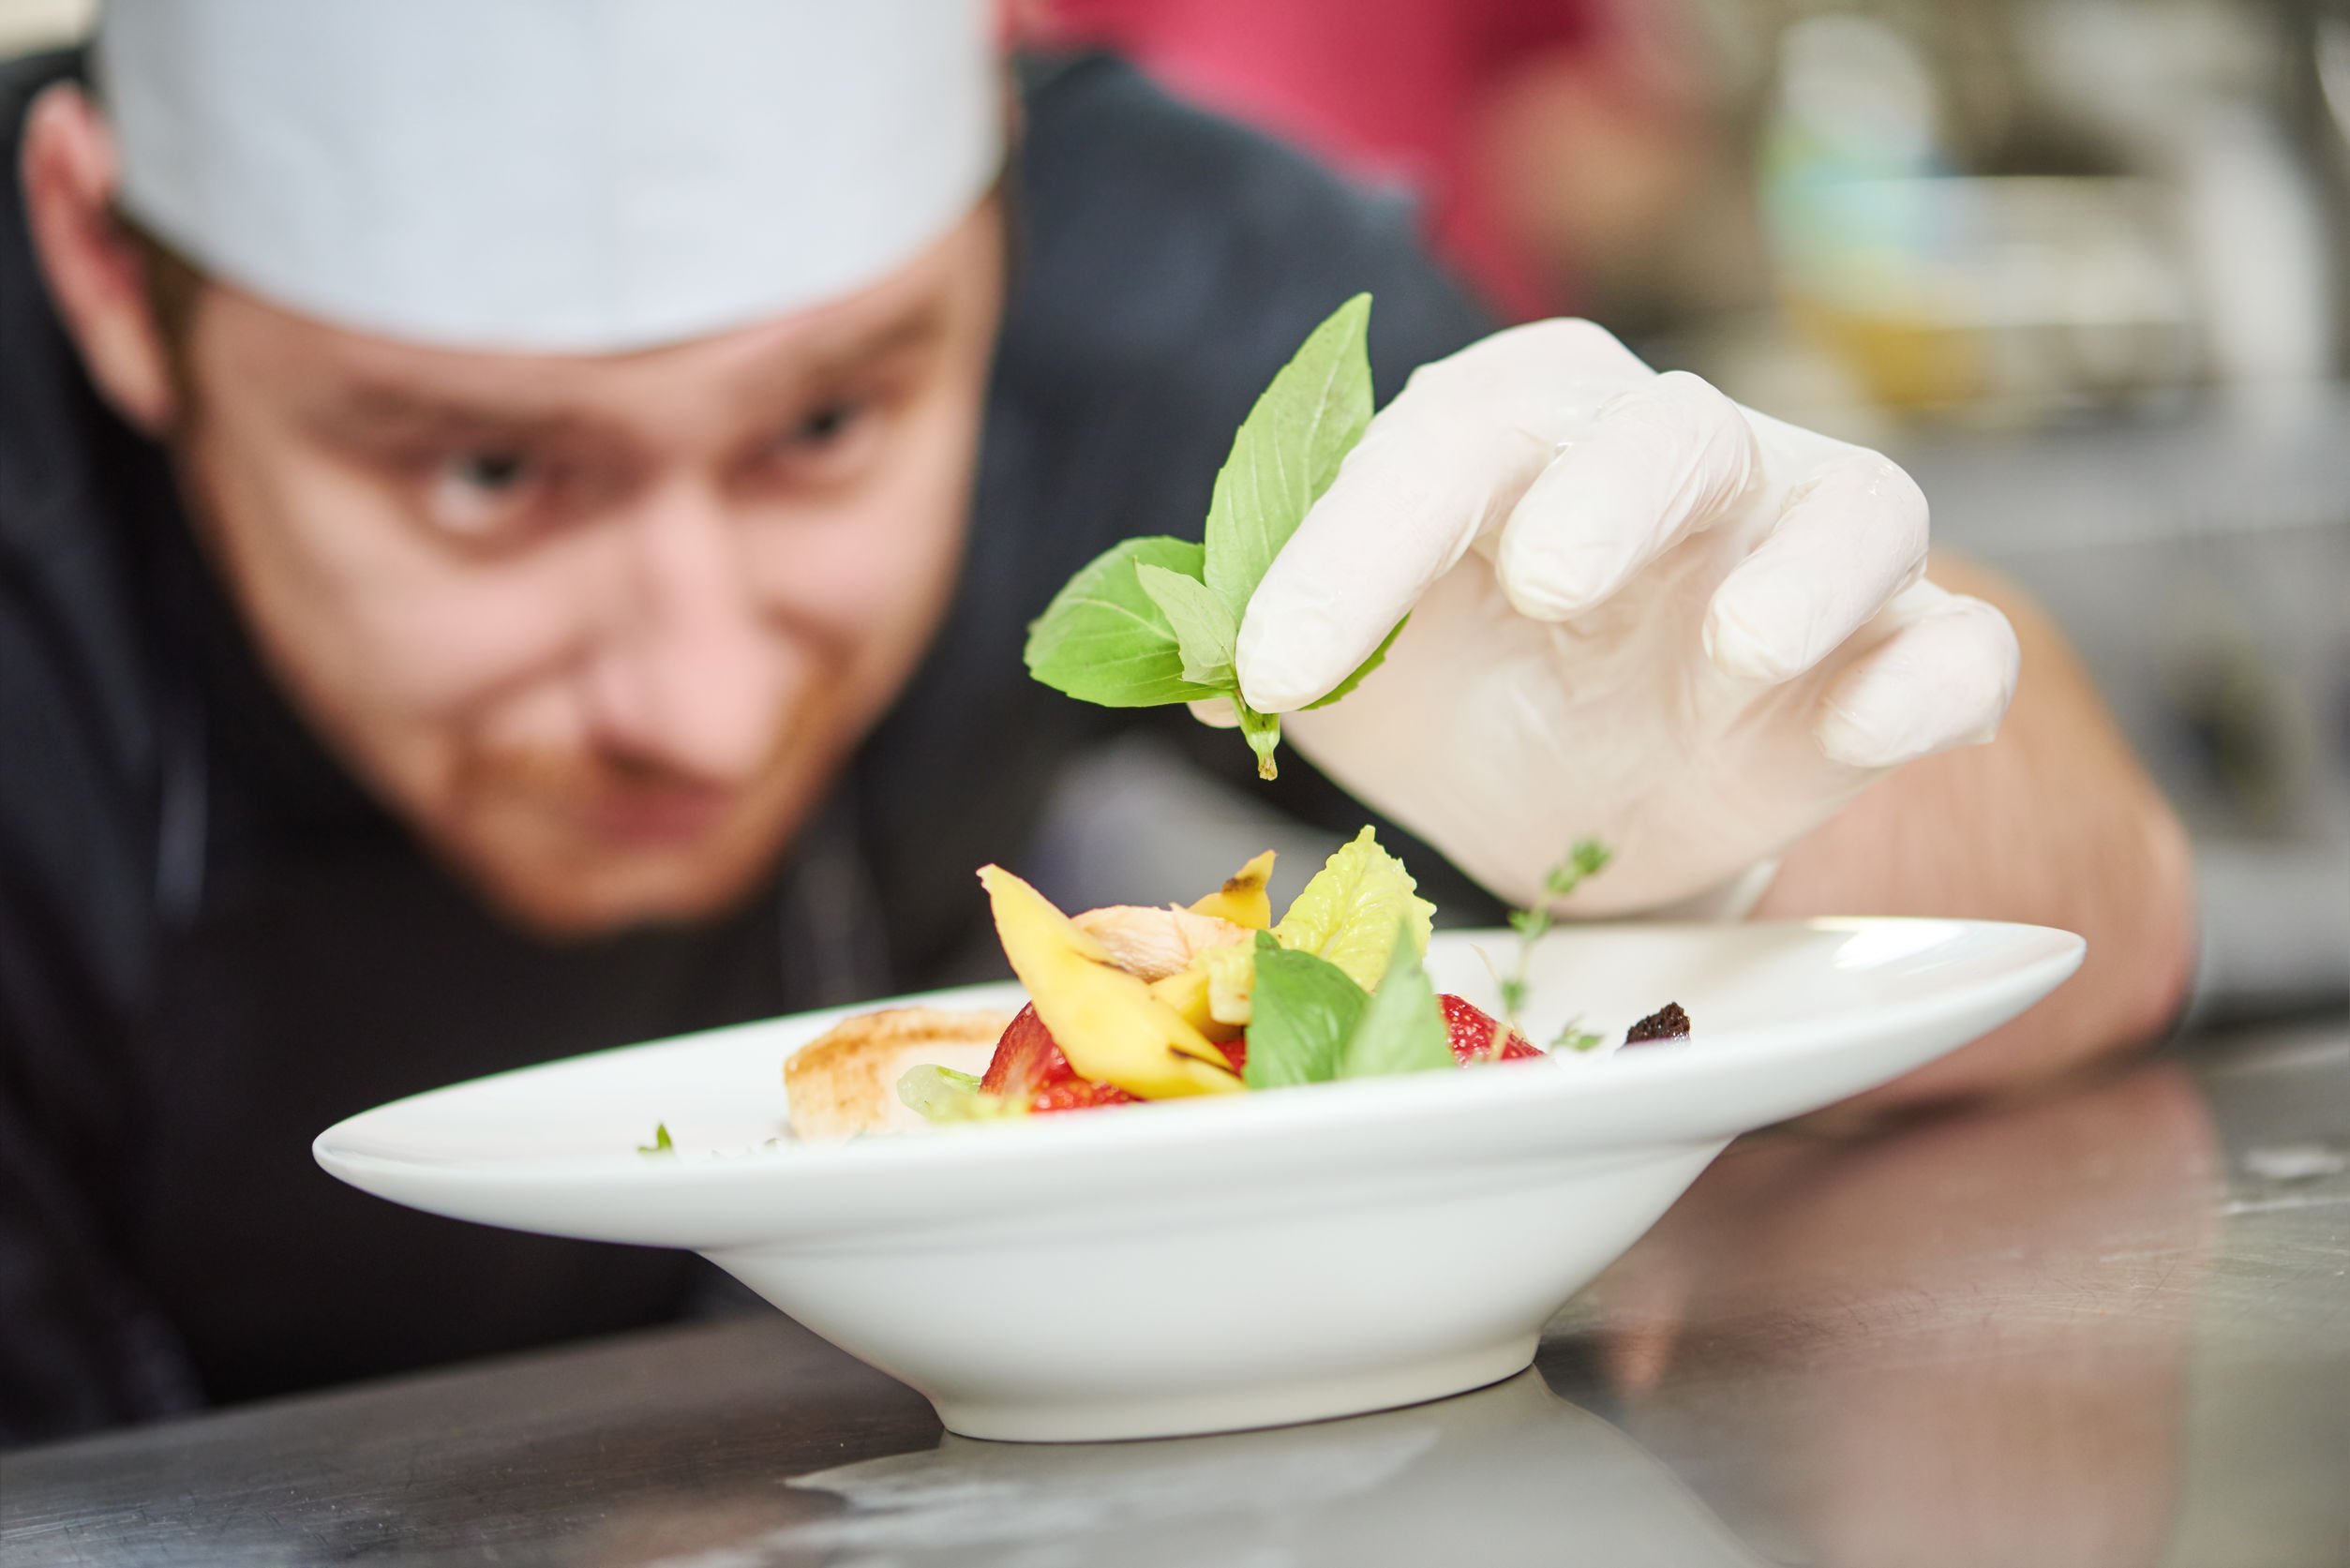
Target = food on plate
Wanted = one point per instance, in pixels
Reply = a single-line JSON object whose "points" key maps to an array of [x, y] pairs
{"points": [[1130, 1002], [845, 1081], [1668, 1022]]}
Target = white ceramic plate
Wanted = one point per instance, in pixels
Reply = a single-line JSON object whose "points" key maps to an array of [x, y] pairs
{"points": [[1237, 1261]]}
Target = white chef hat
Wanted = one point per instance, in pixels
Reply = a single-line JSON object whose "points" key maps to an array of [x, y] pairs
{"points": [[562, 175]]}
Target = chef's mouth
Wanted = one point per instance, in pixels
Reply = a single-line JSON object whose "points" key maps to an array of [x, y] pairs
{"points": [[660, 814]]}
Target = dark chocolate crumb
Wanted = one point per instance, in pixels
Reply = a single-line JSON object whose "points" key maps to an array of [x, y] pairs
{"points": [[1668, 1022]]}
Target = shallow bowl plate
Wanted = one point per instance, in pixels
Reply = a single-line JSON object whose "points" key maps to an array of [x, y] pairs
{"points": [[1243, 1261]]}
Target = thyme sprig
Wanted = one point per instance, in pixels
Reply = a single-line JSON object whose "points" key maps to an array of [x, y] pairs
{"points": [[1585, 860]]}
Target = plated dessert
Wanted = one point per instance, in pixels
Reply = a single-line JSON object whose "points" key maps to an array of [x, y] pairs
{"points": [[1131, 1003], [1064, 1277]]}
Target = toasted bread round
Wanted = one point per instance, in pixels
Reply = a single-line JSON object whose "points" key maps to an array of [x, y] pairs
{"points": [[845, 1082]]}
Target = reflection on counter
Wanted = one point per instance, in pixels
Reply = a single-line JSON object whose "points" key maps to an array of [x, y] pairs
{"points": [[1510, 1474], [1963, 1344]]}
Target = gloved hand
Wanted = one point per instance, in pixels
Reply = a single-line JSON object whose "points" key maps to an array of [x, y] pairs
{"points": [[1640, 613]]}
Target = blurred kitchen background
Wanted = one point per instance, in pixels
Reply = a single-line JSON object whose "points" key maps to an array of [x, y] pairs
{"points": [[2083, 265]]}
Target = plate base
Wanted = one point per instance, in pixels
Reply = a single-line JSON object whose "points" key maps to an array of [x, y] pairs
{"points": [[1239, 1410]]}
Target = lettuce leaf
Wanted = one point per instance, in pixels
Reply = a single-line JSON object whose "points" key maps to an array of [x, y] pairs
{"points": [[942, 1095], [1348, 914]]}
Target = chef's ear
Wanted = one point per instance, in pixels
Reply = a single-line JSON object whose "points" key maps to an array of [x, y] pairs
{"points": [[90, 261]]}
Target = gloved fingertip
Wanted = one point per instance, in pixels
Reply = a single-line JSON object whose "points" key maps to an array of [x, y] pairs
{"points": [[1215, 712], [1942, 685], [1271, 686], [1293, 647], [1541, 594], [1744, 651]]}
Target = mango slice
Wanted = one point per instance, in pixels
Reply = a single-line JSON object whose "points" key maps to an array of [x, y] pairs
{"points": [[1242, 899], [1232, 978], [1187, 992], [1108, 1024]]}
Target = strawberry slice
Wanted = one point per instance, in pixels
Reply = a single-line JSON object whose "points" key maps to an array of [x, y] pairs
{"points": [[1029, 1064], [1028, 1060], [1476, 1033], [1078, 1094]]}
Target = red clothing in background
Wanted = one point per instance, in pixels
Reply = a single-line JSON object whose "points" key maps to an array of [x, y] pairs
{"points": [[1388, 90]]}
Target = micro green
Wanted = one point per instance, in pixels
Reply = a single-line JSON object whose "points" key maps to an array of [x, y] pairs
{"points": [[1587, 858]]}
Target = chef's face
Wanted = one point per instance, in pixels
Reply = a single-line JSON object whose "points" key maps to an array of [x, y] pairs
{"points": [[601, 629]]}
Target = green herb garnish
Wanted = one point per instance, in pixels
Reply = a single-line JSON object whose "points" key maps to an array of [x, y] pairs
{"points": [[1586, 859], [1302, 1011], [1403, 1028], [660, 1144], [1153, 621], [1309, 1022]]}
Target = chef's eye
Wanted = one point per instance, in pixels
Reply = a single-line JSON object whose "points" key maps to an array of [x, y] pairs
{"points": [[824, 426], [474, 493], [829, 445]]}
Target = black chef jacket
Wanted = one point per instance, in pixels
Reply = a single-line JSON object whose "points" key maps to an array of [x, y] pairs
{"points": [[212, 944]]}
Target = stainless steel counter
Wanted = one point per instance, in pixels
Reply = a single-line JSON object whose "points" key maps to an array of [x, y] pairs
{"points": [[2111, 1326]]}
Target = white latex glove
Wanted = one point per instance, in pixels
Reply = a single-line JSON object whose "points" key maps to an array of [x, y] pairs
{"points": [[1640, 613]]}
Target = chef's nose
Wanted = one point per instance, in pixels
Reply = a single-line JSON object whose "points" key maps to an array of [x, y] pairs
{"points": [[688, 673]]}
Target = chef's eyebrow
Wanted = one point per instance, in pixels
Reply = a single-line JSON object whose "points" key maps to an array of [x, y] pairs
{"points": [[377, 408], [810, 370], [382, 406]]}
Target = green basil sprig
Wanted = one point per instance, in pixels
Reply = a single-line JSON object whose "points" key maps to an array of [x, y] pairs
{"points": [[1153, 621], [1309, 1022]]}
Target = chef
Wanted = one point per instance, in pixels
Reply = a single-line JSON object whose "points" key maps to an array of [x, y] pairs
{"points": [[517, 526]]}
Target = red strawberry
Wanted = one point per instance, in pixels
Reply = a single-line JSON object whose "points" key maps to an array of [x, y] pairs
{"points": [[1078, 1094], [1475, 1033], [1027, 1059], [1028, 1065]]}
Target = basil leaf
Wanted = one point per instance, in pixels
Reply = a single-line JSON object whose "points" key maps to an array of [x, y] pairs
{"points": [[1302, 1010], [1103, 639], [1203, 628], [1402, 1028], [1287, 453], [1154, 620], [661, 1144], [1378, 657]]}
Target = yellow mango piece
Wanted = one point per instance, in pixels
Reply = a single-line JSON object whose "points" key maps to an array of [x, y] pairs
{"points": [[1232, 980], [1242, 899], [1186, 992], [1109, 1025]]}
